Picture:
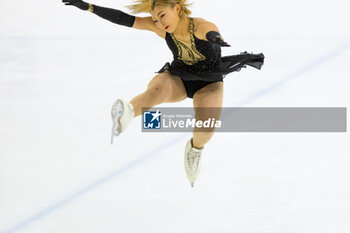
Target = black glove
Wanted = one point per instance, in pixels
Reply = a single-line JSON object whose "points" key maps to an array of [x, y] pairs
{"points": [[216, 38], [78, 3]]}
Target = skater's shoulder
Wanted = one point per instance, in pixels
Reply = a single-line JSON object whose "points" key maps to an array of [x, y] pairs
{"points": [[202, 27], [203, 24]]}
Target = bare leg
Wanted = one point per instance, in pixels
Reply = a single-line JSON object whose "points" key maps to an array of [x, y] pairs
{"points": [[207, 103], [164, 87], [151, 97]]}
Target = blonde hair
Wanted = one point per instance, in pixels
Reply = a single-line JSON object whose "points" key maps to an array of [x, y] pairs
{"points": [[149, 5]]}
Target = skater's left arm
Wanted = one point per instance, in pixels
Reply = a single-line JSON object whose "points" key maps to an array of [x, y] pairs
{"points": [[113, 15], [211, 33]]}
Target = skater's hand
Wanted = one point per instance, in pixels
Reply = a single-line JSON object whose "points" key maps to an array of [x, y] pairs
{"points": [[77, 3], [221, 42], [215, 38]]}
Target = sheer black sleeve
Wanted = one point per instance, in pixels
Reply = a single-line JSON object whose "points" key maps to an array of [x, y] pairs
{"points": [[113, 15]]}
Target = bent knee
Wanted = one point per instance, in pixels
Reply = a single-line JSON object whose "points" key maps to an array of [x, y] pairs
{"points": [[206, 113], [161, 84], [157, 90]]}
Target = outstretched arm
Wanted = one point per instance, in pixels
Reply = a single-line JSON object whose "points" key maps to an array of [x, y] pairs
{"points": [[113, 15]]}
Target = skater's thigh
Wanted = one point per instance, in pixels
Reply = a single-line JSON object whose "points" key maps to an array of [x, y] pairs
{"points": [[208, 101], [170, 85]]}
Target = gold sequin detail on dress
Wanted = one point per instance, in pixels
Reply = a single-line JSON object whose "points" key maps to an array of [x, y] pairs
{"points": [[188, 52]]}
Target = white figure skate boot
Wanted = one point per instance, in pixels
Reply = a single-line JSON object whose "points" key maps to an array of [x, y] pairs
{"points": [[192, 162], [122, 113]]}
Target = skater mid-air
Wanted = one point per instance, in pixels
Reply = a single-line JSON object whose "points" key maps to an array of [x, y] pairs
{"points": [[197, 71]]}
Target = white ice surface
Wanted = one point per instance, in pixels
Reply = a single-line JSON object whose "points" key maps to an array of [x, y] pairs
{"points": [[60, 71]]}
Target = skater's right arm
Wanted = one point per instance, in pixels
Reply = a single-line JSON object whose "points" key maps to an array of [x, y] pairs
{"points": [[146, 23], [117, 16]]}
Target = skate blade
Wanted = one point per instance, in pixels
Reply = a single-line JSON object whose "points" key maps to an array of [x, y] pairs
{"points": [[117, 111], [112, 137], [115, 131]]}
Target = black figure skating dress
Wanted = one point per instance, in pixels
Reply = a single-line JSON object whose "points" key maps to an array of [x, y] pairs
{"points": [[199, 63]]}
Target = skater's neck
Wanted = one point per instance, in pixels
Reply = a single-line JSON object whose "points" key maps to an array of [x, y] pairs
{"points": [[183, 26]]}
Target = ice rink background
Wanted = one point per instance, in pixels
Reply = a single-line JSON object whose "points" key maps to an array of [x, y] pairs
{"points": [[60, 71]]}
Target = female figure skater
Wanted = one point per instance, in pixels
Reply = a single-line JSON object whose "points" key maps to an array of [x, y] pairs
{"points": [[196, 72]]}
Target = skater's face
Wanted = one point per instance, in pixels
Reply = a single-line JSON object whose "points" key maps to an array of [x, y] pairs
{"points": [[166, 17]]}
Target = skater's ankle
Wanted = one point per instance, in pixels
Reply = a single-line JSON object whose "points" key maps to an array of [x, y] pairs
{"points": [[132, 109], [196, 146], [131, 106]]}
